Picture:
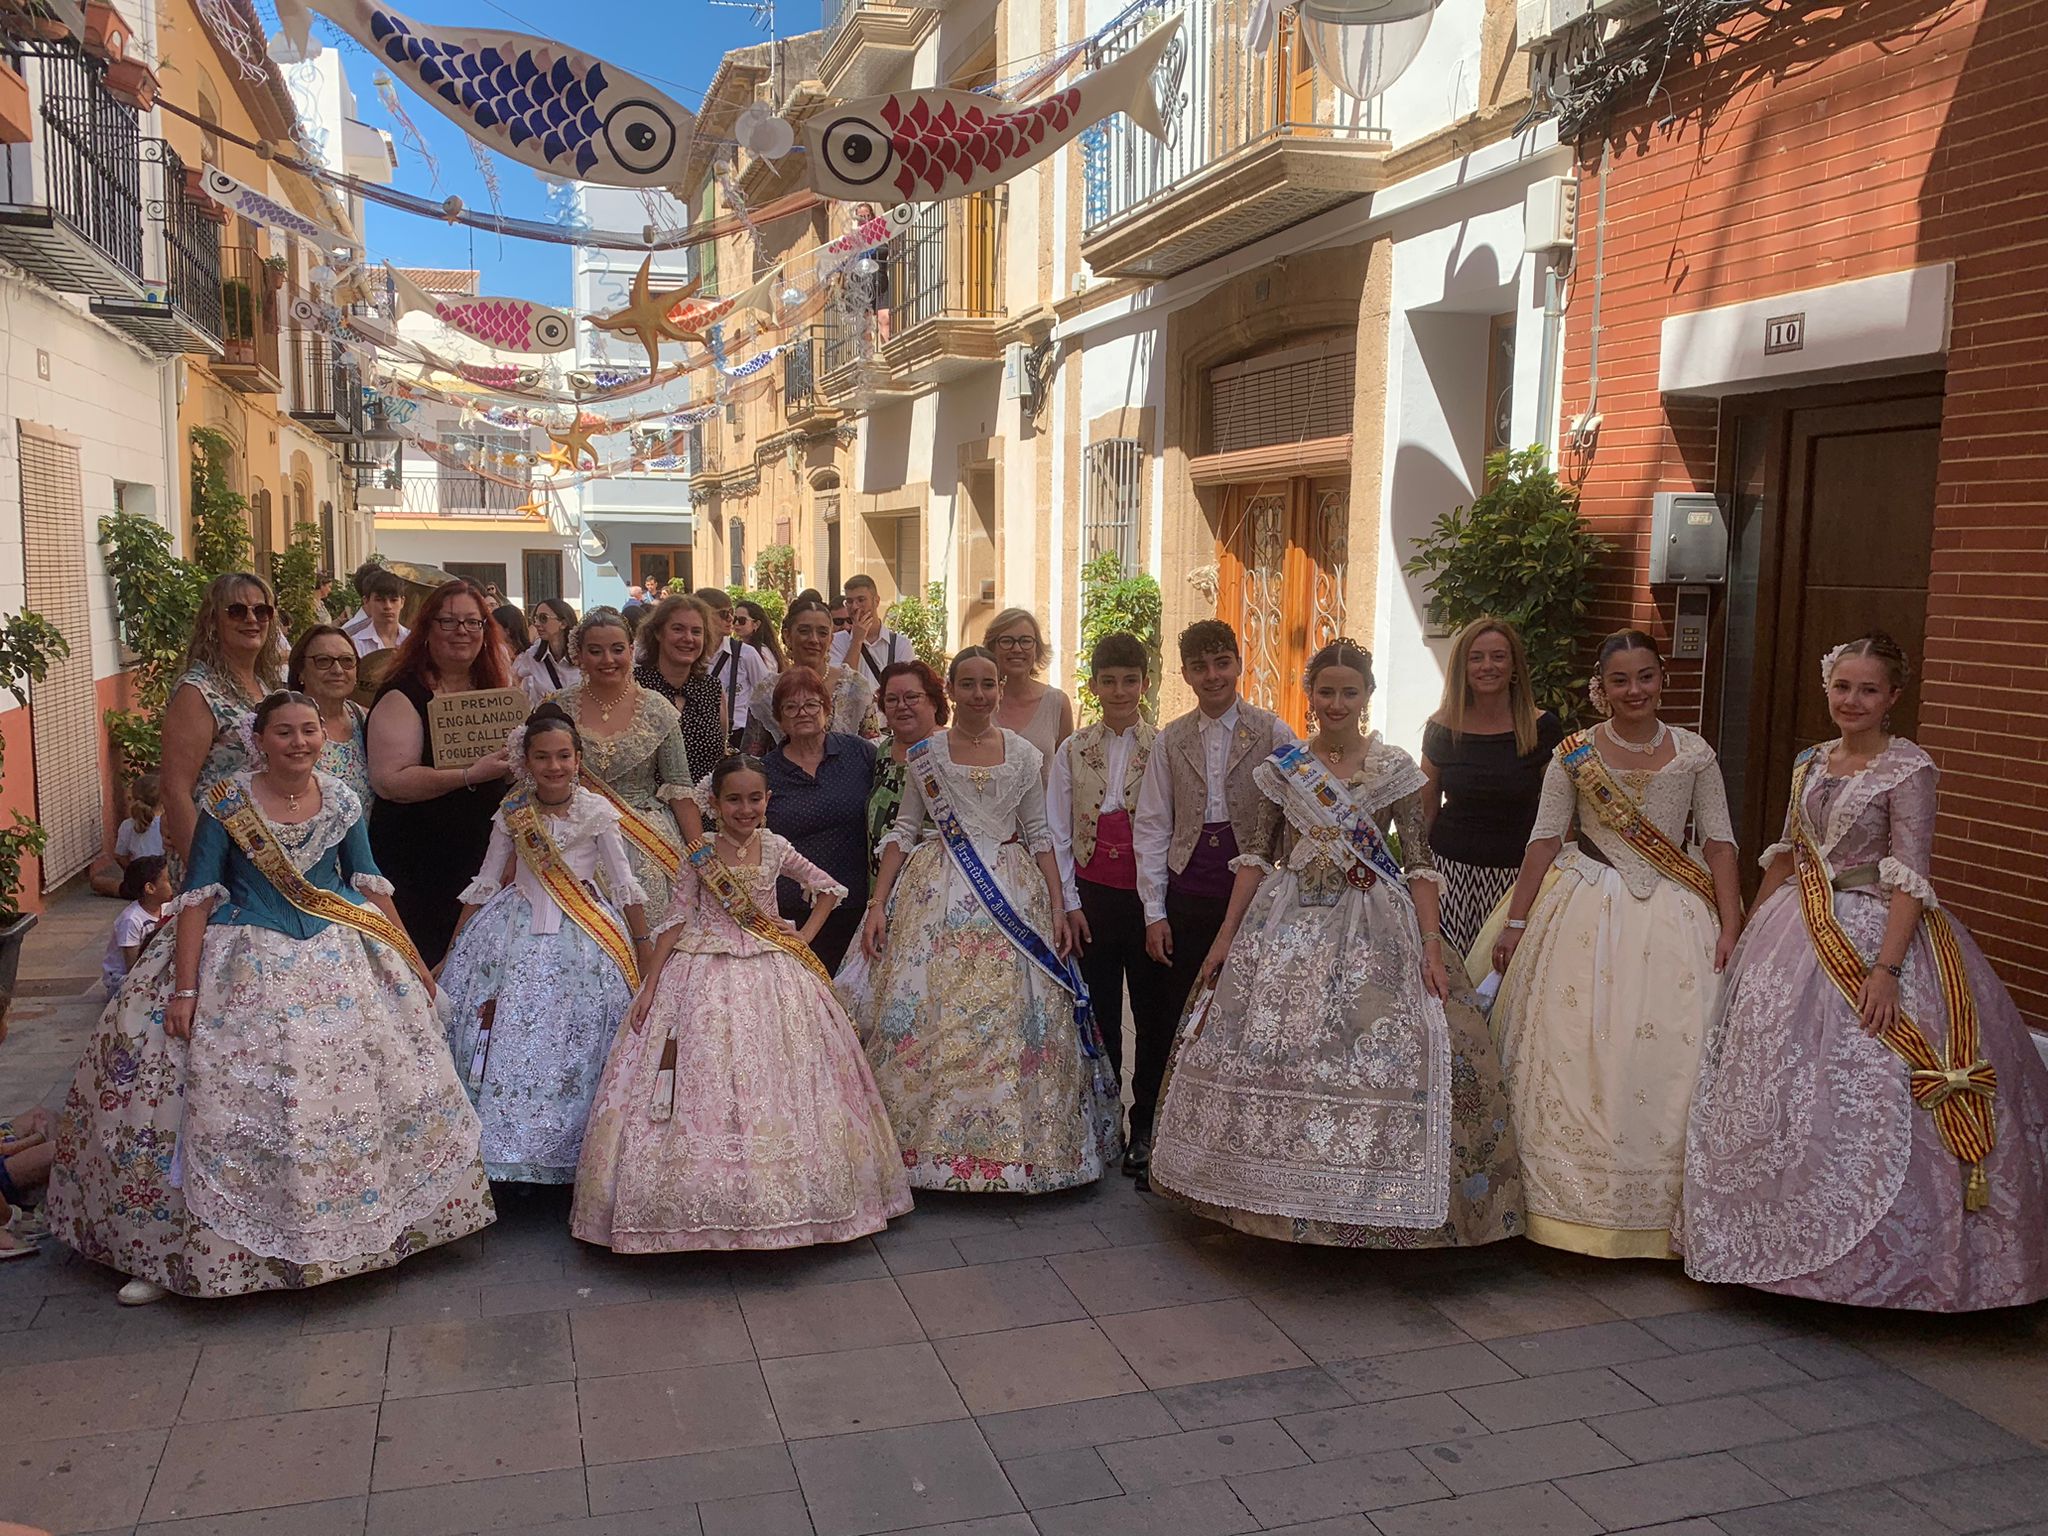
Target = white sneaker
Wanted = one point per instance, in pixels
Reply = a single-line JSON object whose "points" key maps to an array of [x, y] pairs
{"points": [[140, 1293]]}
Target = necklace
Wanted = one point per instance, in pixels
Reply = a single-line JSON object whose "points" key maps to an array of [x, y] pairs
{"points": [[741, 847], [291, 796], [973, 740], [604, 706], [1335, 754], [1649, 748]]}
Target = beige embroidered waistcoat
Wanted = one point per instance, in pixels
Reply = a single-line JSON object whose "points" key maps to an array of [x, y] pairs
{"points": [[1088, 757], [1181, 740]]}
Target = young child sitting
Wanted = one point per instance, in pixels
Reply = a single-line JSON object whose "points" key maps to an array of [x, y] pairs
{"points": [[141, 835], [146, 883]]}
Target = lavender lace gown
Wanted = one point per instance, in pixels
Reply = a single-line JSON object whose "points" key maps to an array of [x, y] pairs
{"points": [[1809, 1170]]}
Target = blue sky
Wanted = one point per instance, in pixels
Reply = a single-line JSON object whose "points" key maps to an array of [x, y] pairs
{"points": [[674, 43]]}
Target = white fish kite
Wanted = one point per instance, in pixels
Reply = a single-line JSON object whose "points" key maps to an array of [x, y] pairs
{"points": [[927, 145], [504, 325], [239, 197], [539, 102]]}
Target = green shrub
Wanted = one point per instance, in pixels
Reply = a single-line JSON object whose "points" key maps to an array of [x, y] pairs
{"points": [[1113, 601]]}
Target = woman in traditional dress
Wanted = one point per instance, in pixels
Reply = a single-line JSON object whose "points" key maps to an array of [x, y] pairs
{"points": [[737, 1110], [1034, 709], [235, 658], [633, 751], [913, 705], [1484, 753], [1611, 974], [1339, 1086], [978, 1027], [546, 667], [672, 659], [267, 1103], [431, 824], [544, 962], [1871, 1121], [323, 667], [807, 631]]}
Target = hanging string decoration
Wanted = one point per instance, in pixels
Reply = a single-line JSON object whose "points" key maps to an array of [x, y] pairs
{"points": [[487, 170], [407, 128], [1363, 59], [234, 36]]}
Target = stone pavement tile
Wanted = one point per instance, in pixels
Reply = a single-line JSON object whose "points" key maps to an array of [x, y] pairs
{"points": [[1969, 1500], [816, 1319], [1150, 1221], [240, 1464], [1061, 1477], [674, 1413], [1668, 1490], [1029, 1242], [759, 1514], [1143, 1276], [1209, 1341], [1537, 1509], [1483, 1462], [919, 1258], [1325, 1489], [323, 1370], [329, 1517], [1699, 1527], [1823, 1358], [1843, 1458], [94, 1483], [992, 1525], [943, 1213], [659, 1335], [1070, 1426], [988, 1297], [1710, 1373], [1578, 1349], [1499, 1304], [792, 1268], [1962, 1438], [1413, 1372], [1848, 1401], [1991, 1365], [1336, 1525], [1386, 1426], [1206, 1404], [1550, 1399], [701, 1479], [511, 1298], [487, 1504], [1639, 1287], [1200, 1509], [1742, 1323], [681, 1521], [69, 1399], [1351, 1323], [1036, 1367], [431, 1358], [1201, 1455], [1691, 1429], [898, 1479], [385, 1300], [465, 1437], [1863, 1511], [82, 1325], [857, 1389]]}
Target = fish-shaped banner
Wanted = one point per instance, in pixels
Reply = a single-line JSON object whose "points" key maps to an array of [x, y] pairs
{"points": [[932, 144], [504, 325], [238, 196], [539, 102]]}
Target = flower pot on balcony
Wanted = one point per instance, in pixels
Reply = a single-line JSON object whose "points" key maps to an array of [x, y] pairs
{"points": [[106, 34], [52, 20], [196, 196], [17, 118], [134, 82]]}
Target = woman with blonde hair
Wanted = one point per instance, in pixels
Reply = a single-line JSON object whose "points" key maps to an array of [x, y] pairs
{"points": [[1484, 753], [235, 658], [1037, 711]]}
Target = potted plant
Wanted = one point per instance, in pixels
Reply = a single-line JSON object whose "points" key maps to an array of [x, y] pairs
{"points": [[134, 82], [28, 644], [238, 320], [17, 117]]}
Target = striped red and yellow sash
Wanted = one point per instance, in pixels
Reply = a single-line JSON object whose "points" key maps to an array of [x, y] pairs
{"points": [[538, 852], [1622, 816], [1959, 1091], [251, 833], [726, 889], [635, 827]]}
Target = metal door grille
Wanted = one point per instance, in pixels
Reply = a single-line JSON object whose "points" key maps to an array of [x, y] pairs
{"points": [[1284, 397], [64, 714], [1112, 477]]}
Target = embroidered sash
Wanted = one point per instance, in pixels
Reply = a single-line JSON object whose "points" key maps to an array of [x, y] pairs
{"points": [[1623, 817], [1329, 805], [538, 852], [245, 824], [982, 882], [1958, 1092], [636, 829], [726, 889]]}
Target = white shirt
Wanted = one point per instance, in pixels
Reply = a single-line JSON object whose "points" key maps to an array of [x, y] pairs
{"points": [[885, 650], [364, 634], [1059, 798], [131, 927], [144, 843], [752, 668], [1152, 826]]}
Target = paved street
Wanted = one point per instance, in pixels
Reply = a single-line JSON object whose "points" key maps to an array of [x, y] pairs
{"points": [[1090, 1363]]}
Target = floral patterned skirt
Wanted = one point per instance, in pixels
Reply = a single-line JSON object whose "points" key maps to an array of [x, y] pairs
{"points": [[770, 1133], [311, 1129], [975, 1048], [556, 1001]]}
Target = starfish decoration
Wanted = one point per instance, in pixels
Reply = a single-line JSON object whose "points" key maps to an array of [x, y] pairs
{"points": [[559, 460], [534, 506], [647, 318], [574, 439]]}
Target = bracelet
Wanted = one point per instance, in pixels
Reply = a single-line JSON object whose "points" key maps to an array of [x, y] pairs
{"points": [[1517, 922], [186, 992], [1898, 971], [1432, 936]]}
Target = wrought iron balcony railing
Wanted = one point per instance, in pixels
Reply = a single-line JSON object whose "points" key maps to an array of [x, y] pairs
{"points": [[249, 290], [71, 200], [947, 265], [326, 390], [182, 305], [457, 493]]}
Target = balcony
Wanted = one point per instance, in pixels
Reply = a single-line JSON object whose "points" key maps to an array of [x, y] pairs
{"points": [[1252, 148], [869, 45], [805, 402], [946, 281], [249, 291], [456, 493], [326, 391], [71, 200], [180, 309]]}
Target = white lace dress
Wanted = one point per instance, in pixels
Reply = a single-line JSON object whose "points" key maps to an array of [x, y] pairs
{"points": [[975, 1048], [1602, 1016]]}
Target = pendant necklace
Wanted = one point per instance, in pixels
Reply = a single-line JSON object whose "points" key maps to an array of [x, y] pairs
{"points": [[743, 846], [1649, 748], [605, 706]]}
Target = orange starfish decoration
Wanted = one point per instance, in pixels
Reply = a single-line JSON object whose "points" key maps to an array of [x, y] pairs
{"points": [[648, 318], [559, 460], [574, 439], [534, 506]]}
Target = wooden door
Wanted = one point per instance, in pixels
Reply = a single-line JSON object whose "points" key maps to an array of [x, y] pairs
{"points": [[1281, 567], [665, 563]]}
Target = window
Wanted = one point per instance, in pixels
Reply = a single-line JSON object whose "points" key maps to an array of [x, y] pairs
{"points": [[1112, 483], [1500, 385], [485, 573], [540, 572], [1290, 396], [736, 544]]}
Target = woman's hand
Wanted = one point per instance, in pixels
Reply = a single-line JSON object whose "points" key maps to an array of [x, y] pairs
{"points": [[1062, 934], [636, 1016], [485, 769], [1878, 1002], [1435, 979], [1212, 963], [874, 933], [1724, 947], [1504, 948], [178, 1015]]}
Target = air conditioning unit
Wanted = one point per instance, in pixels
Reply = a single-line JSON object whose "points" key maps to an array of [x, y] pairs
{"points": [[1550, 213], [1540, 22], [1019, 380]]}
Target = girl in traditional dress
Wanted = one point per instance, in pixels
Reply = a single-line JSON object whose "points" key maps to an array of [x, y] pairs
{"points": [[268, 1103], [807, 630], [978, 1026], [1871, 1121], [544, 963], [737, 1110], [1611, 974], [1339, 1086]]}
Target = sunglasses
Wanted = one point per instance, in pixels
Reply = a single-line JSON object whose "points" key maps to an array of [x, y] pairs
{"points": [[262, 612], [842, 623]]}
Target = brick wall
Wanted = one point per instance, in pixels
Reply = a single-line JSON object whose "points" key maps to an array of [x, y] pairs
{"points": [[1895, 134]]}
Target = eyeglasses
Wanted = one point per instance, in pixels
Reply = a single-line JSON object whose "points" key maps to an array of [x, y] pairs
{"points": [[1016, 642], [462, 626], [902, 700], [263, 613], [804, 707], [332, 663]]}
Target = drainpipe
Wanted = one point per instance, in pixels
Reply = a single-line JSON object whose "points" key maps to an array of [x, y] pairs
{"points": [[1546, 381]]}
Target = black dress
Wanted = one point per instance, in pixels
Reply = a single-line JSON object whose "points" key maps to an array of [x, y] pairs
{"points": [[1490, 795], [825, 817], [431, 849], [699, 702]]}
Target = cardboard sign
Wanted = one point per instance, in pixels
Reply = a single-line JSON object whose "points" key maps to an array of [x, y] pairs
{"points": [[465, 727]]}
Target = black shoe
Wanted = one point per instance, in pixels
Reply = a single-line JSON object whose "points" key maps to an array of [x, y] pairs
{"points": [[1138, 1156]]}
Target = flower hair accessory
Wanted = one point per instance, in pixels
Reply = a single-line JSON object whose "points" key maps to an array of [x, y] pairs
{"points": [[515, 745], [1827, 665], [1596, 695], [245, 728]]}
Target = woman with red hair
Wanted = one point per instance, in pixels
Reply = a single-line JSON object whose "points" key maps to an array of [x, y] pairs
{"points": [[431, 824]]}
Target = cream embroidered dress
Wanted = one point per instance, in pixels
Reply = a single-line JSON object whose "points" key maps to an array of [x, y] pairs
{"points": [[1809, 1170], [645, 765], [312, 1127], [769, 1132], [1325, 1096], [1603, 1014], [975, 1048]]}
